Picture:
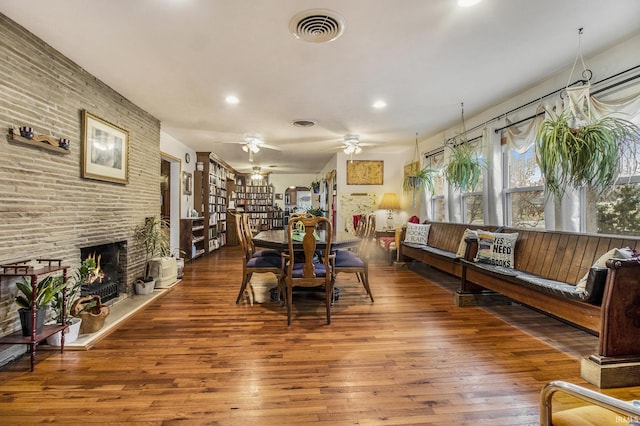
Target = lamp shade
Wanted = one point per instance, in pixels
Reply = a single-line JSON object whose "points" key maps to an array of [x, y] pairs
{"points": [[389, 202]]}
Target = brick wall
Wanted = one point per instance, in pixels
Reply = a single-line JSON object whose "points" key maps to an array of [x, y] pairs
{"points": [[46, 208]]}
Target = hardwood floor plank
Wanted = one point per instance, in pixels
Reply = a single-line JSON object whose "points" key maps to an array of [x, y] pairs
{"points": [[412, 357]]}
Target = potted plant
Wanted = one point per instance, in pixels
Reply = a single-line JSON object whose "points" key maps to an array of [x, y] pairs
{"points": [[46, 289], [419, 180], [464, 168], [153, 238], [315, 186], [73, 288], [587, 153]]}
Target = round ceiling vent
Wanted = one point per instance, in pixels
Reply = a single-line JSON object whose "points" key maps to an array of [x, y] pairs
{"points": [[304, 123], [317, 25]]}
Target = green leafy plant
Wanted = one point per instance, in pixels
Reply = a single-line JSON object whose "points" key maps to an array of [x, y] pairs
{"points": [[422, 179], [589, 155], [316, 212], [74, 286], [47, 289], [153, 237], [464, 168]]}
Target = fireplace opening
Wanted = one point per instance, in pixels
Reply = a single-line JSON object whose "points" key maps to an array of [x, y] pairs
{"points": [[111, 259]]}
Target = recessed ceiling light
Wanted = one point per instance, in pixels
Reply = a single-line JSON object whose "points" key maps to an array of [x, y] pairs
{"points": [[379, 104], [232, 100], [468, 3]]}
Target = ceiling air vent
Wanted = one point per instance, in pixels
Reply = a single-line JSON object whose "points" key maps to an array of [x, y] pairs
{"points": [[303, 123], [317, 25]]}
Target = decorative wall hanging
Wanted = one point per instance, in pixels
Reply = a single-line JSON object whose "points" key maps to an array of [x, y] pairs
{"points": [[187, 183], [105, 150], [362, 172]]}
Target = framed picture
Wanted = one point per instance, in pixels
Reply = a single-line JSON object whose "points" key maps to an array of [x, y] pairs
{"points": [[105, 150], [364, 172], [187, 183], [279, 196]]}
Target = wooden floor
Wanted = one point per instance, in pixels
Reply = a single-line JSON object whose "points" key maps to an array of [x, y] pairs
{"points": [[193, 356]]}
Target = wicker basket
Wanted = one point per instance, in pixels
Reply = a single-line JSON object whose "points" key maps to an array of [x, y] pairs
{"points": [[92, 318]]}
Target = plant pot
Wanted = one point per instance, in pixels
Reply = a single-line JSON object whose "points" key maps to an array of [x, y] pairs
{"points": [[92, 318], [70, 335], [145, 287], [25, 320], [180, 267]]}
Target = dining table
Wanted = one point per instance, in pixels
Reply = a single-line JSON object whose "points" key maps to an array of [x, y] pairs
{"points": [[278, 239]]}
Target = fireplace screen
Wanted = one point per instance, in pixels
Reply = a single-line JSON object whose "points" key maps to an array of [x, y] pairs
{"points": [[109, 279]]}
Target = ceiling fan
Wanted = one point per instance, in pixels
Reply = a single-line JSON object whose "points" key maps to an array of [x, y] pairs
{"points": [[352, 144], [252, 144]]}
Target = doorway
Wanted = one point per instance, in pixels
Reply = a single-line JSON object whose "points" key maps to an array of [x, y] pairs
{"points": [[170, 168]]}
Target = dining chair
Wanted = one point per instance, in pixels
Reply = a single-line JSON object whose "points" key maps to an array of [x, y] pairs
{"points": [[255, 264], [248, 235], [357, 262], [306, 269]]}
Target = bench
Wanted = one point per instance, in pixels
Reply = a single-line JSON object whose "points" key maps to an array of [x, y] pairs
{"points": [[547, 267], [442, 246]]}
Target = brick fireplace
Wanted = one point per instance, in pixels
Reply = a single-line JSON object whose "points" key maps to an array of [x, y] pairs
{"points": [[112, 260]]}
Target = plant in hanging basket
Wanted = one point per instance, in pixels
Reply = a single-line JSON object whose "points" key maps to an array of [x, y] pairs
{"points": [[464, 168], [422, 179], [589, 155]]}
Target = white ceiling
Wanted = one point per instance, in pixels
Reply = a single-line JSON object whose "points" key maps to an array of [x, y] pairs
{"points": [[178, 59]]}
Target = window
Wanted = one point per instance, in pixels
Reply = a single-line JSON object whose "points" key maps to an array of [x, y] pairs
{"points": [[436, 161], [472, 201], [524, 190], [617, 212]]}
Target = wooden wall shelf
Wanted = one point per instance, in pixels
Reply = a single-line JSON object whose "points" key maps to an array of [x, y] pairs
{"points": [[19, 140]]}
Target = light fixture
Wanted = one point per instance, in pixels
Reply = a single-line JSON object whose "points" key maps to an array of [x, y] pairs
{"points": [[252, 146], [352, 144], [256, 175], [232, 100], [389, 203], [468, 3], [379, 104]]}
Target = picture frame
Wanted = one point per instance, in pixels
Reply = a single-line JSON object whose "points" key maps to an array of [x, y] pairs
{"points": [[365, 172], [279, 196], [105, 150], [187, 183]]}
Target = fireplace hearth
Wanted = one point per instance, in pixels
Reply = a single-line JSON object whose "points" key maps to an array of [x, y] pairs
{"points": [[112, 261]]}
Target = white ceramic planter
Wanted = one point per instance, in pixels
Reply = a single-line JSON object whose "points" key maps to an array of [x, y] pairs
{"points": [[70, 335], [145, 287]]}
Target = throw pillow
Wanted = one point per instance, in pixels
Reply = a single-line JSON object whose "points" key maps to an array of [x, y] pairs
{"points": [[462, 247], [417, 233], [496, 248], [601, 262]]}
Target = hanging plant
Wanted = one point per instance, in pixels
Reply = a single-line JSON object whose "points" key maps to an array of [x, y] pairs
{"points": [[418, 179], [464, 168], [589, 155]]}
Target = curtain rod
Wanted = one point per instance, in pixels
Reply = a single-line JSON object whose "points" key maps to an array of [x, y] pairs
{"points": [[611, 86]]}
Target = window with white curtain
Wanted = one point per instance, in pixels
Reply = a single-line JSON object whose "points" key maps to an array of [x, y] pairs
{"points": [[618, 211], [522, 180], [435, 161], [473, 201]]}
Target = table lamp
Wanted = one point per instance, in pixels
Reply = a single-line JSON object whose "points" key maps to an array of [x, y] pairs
{"points": [[389, 203]]}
